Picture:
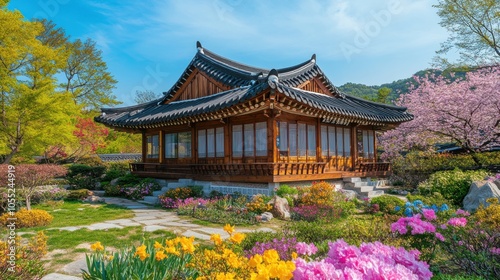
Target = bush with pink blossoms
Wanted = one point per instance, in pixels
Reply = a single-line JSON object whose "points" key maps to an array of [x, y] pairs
{"points": [[369, 261], [468, 246]]}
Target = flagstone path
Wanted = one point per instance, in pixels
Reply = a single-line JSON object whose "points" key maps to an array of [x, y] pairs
{"points": [[151, 219]]}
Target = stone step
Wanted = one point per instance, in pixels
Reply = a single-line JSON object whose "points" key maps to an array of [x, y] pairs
{"points": [[157, 193], [373, 193], [162, 182], [356, 184], [359, 189], [150, 200], [352, 179], [164, 189]]}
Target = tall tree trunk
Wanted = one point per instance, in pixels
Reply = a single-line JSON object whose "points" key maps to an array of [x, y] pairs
{"points": [[477, 161], [8, 158], [28, 202]]}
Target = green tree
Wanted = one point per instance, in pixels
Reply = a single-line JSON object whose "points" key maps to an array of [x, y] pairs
{"points": [[86, 76], [474, 27], [383, 95], [33, 115]]}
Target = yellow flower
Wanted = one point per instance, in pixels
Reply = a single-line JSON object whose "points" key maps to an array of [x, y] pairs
{"points": [[187, 244], [97, 246], [270, 256], [225, 276], [237, 238], [229, 229], [141, 252], [170, 243], [172, 250], [255, 260], [160, 255], [158, 245], [110, 257], [216, 239], [294, 255]]}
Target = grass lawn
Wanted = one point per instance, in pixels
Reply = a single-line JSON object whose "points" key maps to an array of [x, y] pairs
{"points": [[76, 213]]}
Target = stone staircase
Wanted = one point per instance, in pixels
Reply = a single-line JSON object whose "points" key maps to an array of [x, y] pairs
{"points": [[165, 186], [365, 187]]}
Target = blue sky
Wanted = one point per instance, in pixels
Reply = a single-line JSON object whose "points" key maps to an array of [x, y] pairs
{"points": [[148, 44]]}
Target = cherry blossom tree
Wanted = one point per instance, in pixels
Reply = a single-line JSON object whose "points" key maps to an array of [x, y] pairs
{"points": [[464, 111], [28, 177]]}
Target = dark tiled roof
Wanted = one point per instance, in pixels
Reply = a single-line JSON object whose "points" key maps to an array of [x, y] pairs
{"points": [[248, 82], [349, 106], [156, 113], [235, 74], [120, 157]]}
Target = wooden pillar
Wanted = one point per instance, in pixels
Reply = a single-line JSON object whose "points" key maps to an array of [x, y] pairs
{"points": [[374, 146], [228, 141], [272, 134], [161, 150], [194, 147], [319, 156], [354, 147], [144, 146]]}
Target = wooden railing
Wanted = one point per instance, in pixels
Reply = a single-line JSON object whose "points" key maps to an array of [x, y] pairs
{"points": [[374, 166], [234, 169]]}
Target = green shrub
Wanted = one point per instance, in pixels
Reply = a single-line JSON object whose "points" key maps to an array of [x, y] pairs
{"points": [[387, 203], [215, 194], [113, 174], [218, 216], [453, 185], [286, 190], [28, 218], [77, 194], [129, 180], [29, 262], [81, 176], [110, 190], [259, 236], [185, 192], [432, 199]]}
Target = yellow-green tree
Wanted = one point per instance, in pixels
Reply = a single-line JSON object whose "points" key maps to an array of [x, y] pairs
{"points": [[33, 114], [474, 27]]}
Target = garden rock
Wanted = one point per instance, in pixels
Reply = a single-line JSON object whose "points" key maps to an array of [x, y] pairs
{"points": [[350, 194], [114, 182], [281, 209], [266, 216], [478, 193], [94, 199]]}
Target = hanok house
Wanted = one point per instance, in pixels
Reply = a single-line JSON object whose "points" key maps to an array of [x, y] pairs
{"points": [[229, 123]]}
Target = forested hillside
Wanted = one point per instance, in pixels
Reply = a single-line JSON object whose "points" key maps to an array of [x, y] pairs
{"points": [[397, 87]]}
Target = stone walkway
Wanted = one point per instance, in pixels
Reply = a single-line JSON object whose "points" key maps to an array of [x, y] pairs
{"points": [[150, 219]]}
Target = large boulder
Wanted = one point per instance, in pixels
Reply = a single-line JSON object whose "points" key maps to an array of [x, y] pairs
{"points": [[478, 193], [281, 209]]}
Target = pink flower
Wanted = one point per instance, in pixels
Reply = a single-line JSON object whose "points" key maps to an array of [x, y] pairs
{"points": [[306, 249], [429, 214], [461, 212], [457, 222], [495, 251], [415, 223], [439, 236]]}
